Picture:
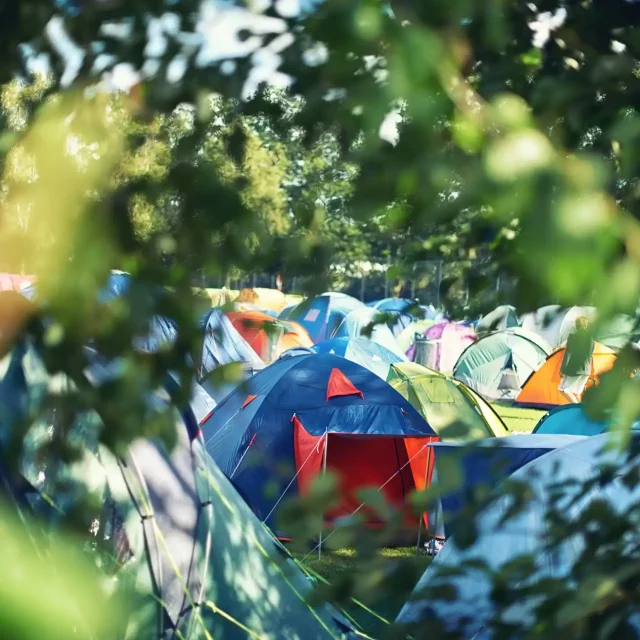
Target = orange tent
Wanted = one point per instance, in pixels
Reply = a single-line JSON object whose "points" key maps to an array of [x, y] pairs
{"points": [[541, 388], [295, 335], [268, 336]]}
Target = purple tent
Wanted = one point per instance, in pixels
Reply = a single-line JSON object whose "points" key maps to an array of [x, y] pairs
{"points": [[448, 340]]}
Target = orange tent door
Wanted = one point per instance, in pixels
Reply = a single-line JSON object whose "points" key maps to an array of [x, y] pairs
{"points": [[259, 330]]}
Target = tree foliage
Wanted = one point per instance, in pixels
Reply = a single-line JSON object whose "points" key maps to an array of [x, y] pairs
{"points": [[249, 139]]}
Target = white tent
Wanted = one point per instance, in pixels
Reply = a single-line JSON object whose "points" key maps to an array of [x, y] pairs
{"points": [[554, 323], [499, 542], [358, 320]]}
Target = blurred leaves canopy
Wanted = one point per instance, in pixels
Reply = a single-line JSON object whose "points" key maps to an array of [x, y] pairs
{"points": [[175, 138]]}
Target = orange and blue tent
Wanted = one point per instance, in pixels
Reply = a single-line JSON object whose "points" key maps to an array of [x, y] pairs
{"points": [[267, 336], [314, 412]]}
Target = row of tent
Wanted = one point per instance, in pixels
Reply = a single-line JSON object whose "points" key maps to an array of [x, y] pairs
{"points": [[492, 367], [388, 409], [249, 579], [348, 405], [554, 323], [516, 365], [190, 552]]}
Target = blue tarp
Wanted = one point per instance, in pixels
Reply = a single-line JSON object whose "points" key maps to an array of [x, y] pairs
{"points": [[482, 465]]}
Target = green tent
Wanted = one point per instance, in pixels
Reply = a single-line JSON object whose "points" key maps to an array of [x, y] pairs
{"points": [[454, 411], [498, 364], [176, 537]]}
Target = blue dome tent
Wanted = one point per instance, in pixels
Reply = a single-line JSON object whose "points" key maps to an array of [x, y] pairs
{"points": [[363, 351], [322, 315], [313, 412], [404, 312], [359, 322], [482, 465]]}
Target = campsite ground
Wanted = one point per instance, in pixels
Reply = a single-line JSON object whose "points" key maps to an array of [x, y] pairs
{"points": [[519, 420], [343, 563]]}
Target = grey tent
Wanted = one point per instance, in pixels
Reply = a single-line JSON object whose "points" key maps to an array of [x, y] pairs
{"points": [[505, 534], [502, 317]]}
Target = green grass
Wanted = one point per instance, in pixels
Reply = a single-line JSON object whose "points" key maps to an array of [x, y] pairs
{"points": [[342, 567], [519, 420]]}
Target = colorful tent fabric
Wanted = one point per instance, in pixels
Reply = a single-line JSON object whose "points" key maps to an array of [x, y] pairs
{"points": [[308, 412], [267, 336], [569, 476], [365, 352], [185, 546], [445, 403], [502, 317], [365, 322], [572, 419], [446, 341], [497, 365], [294, 336], [541, 388], [322, 315], [223, 344]]}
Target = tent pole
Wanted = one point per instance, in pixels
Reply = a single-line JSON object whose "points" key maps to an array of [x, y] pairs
{"points": [[324, 471]]}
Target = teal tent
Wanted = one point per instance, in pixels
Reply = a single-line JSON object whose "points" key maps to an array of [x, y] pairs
{"points": [[571, 419], [498, 364]]}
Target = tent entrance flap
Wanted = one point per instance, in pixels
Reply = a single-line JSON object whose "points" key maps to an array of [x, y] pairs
{"points": [[309, 452], [395, 466], [368, 462]]}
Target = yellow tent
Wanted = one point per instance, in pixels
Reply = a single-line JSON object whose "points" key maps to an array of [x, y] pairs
{"points": [[453, 410]]}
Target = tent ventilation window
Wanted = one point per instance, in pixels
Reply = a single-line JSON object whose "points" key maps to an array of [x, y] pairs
{"points": [[436, 390]]}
